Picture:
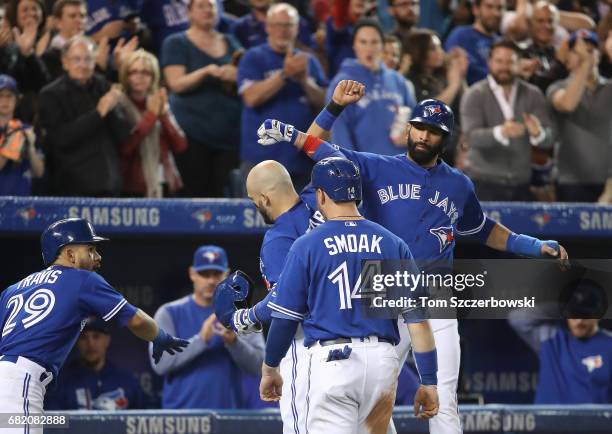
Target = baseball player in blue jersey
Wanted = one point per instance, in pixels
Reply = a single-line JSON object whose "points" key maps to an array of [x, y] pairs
{"points": [[353, 367], [425, 202], [42, 315], [270, 188]]}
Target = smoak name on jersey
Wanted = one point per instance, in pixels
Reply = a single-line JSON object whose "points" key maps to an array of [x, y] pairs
{"points": [[42, 315], [425, 207], [321, 280]]}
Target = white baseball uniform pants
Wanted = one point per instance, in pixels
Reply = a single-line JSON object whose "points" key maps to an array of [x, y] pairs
{"points": [[355, 395], [22, 392], [446, 335], [294, 371]]}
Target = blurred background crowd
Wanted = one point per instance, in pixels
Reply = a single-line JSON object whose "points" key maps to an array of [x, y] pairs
{"points": [[162, 98]]}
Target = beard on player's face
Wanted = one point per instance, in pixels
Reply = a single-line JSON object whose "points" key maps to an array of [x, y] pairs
{"points": [[423, 156], [267, 218]]}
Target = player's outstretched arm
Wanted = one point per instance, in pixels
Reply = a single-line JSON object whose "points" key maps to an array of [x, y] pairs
{"points": [[346, 92], [145, 327], [424, 348], [503, 239]]}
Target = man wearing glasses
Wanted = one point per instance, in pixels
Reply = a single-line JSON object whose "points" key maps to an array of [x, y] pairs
{"points": [[82, 126], [275, 79]]}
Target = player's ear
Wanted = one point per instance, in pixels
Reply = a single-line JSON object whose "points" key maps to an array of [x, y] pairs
{"points": [[266, 200], [191, 272]]}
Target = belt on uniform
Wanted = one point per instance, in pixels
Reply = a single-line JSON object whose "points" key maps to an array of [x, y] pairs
{"points": [[13, 359], [336, 341]]}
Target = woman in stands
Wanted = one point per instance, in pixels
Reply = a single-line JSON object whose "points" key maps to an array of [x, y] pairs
{"points": [[155, 135]]}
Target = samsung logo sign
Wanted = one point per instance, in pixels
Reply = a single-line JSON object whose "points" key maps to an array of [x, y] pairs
{"points": [[168, 425], [117, 215]]}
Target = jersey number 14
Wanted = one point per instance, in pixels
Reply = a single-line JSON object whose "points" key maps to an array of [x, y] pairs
{"points": [[38, 306], [340, 276]]}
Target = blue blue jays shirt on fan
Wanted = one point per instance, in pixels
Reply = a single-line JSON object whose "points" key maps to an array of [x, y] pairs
{"points": [[43, 314], [477, 46], [163, 18], [575, 371], [289, 103], [366, 125], [425, 207], [313, 285]]}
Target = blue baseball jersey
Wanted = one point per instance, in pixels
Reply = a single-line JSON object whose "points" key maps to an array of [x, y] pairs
{"points": [[277, 241], [82, 388], [42, 315], [424, 207], [321, 280], [575, 371]]}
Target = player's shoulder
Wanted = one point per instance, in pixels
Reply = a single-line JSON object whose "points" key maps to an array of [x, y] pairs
{"points": [[310, 238], [288, 226], [380, 230], [606, 334], [457, 175]]}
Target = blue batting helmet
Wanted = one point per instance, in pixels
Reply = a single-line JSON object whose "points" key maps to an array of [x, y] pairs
{"points": [[339, 178], [435, 113], [64, 232]]}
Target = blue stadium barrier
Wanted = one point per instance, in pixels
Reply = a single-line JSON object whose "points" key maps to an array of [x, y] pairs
{"points": [[239, 216], [586, 419]]}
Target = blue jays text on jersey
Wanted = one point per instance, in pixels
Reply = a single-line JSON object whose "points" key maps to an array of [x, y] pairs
{"points": [[320, 282], [42, 315], [425, 207]]}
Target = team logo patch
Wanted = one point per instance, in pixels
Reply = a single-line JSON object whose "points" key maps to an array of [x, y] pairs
{"points": [[113, 400], [27, 214], [541, 219], [445, 236], [210, 256], [431, 110], [592, 362], [203, 216]]}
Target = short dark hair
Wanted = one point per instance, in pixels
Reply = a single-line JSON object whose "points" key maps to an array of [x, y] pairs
{"points": [[504, 43], [368, 22], [58, 7]]}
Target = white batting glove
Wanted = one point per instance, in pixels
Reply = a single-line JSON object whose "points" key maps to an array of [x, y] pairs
{"points": [[272, 131], [242, 324]]}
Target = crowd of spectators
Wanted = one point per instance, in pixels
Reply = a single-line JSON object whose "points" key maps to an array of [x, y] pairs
{"points": [[163, 98]]}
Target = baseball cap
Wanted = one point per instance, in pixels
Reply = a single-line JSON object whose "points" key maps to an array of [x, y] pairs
{"points": [[8, 82], [587, 35], [210, 258], [97, 324]]}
